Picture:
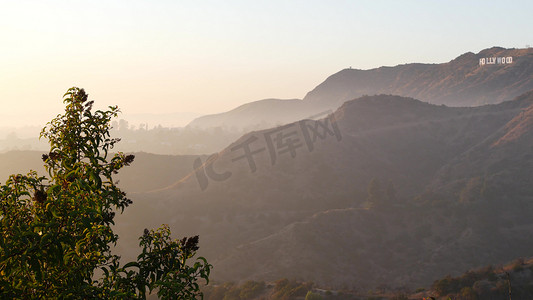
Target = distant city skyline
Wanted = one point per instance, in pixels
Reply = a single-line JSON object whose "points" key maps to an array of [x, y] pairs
{"points": [[207, 57]]}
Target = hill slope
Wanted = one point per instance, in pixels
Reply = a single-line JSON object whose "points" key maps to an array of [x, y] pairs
{"points": [[256, 115], [455, 194], [460, 82], [298, 208]]}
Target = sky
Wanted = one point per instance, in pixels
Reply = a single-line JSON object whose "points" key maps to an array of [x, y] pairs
{"points": [[203, 57]]}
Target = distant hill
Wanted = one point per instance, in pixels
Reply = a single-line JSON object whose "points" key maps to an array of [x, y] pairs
{"points": [[460, 82], [455, 193], [256, 115], [148, 172]]}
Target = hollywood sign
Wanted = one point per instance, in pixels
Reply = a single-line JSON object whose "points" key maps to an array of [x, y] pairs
{"points": [[495, 60]]}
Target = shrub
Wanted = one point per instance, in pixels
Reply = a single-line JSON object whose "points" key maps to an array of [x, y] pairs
{"points": [[57, 231]]}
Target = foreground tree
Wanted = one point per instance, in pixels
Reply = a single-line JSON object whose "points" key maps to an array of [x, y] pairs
{"points": [[56, 233]]}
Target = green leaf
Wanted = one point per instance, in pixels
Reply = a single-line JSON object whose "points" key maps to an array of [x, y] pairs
{"points": [[132, 264], [46, 238], [54, 212]]}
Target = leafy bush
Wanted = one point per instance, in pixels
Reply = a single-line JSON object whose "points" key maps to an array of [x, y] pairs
{"points": [[56, 232]]}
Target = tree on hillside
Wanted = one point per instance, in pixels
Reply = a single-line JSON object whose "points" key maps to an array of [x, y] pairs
{"points": [[56, 232]]}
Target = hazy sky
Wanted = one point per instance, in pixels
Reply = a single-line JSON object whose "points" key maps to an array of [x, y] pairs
{"points": [[211, 56]]}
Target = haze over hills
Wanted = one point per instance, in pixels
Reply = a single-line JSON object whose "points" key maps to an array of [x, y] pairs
{"points": [[454, 193], [460, 82], [256, 115], [307, 214], [386, 190], [150, 171]]}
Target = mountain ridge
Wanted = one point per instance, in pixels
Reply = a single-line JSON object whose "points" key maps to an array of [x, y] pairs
{"points": [[448, 199], [455, 83], [459, 82], [454, 197], [257, 114]]}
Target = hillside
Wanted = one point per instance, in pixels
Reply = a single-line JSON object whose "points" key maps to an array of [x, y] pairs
{"points": [[302, 210], [256, 115], [460, 82], [510, 281], [386, 189]]}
